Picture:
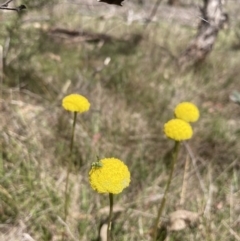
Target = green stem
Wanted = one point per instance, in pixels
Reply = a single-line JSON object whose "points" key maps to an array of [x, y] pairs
{"points": [[109, 229], [69, 168], [161, 207]]}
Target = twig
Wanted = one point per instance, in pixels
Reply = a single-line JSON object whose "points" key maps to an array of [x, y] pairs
{"points": [[6, 3], [184, 185], [195, 167], [67, 228], [207, 210], [154, 10], [236, 236], [231, 202], [4, 6], [18, 9]]}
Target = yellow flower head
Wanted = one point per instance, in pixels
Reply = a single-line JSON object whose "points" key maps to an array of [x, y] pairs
{"points": [[178, 130], [187, 111], [110, 176], [75, 103]]}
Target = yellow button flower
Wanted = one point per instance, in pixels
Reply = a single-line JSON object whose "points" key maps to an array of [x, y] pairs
{"points": [[75, 103], [110, 176], [178, 130], [187, 111]]}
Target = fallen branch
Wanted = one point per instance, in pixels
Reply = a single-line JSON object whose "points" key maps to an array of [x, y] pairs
{"points": [[212, 21]]}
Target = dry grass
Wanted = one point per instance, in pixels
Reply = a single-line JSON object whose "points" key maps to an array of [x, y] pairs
{"points": [[131, 98]]}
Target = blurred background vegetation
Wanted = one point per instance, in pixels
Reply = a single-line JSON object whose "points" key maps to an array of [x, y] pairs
{"points": [[128, 70]]}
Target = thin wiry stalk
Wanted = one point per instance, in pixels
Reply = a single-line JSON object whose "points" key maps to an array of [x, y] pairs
{"points": [[161, 207], [66, 203]]}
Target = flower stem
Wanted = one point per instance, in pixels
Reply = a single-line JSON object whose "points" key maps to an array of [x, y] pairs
{"points": [[69, 168], [109, 229], [161, 207]]}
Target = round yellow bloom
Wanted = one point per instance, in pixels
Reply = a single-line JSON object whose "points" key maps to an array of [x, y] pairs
{"points": [[187, 111], [75, 103], [178, 130], [112, 176]]}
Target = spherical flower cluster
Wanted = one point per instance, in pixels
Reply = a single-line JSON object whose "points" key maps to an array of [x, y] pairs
{"points": [[178, 130], [75, 103], [187, 111], [111, 176]]}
